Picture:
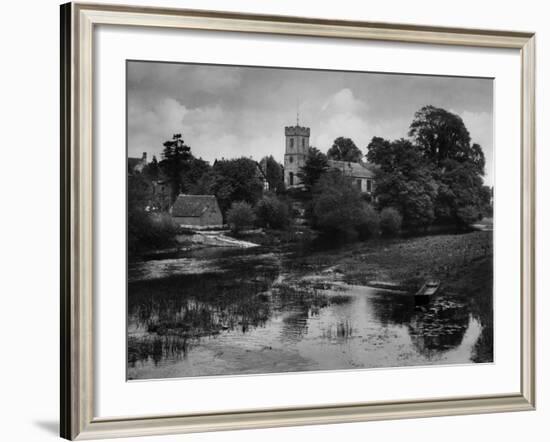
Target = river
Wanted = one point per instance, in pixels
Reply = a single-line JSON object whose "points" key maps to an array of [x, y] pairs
{"points": [[227, 311]]}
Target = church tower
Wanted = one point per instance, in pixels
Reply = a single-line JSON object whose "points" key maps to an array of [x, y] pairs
{"points": [[296, 149]]}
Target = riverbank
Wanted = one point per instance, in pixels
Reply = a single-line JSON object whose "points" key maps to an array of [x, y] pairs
{"points": [[309, 297], [463, 263], [404, 262]]}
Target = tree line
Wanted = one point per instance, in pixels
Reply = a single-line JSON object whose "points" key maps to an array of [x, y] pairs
{"points": [[435, 176]]}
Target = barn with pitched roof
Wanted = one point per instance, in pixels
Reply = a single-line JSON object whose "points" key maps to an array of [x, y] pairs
{"points": [[197, 210]]}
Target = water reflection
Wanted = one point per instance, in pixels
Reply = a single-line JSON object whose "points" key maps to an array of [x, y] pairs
{"points": [[253, 313]]}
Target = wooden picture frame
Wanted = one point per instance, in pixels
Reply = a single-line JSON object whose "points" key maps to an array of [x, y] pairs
{"points": [[78, 21]]}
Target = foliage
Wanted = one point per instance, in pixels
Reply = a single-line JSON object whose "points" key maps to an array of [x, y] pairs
{"points": [[273, 213], [239, 216], [441, 135], [193, 172], [139, 191], [404, 181], [152, 170], [369, 222], [461, 196], [344, 149], [467, 215], [274, 173], [236, 180], [316, 164], [181, 169], [149, 230], [437, 176], [390, 221], [175, 158], [204, 185], [337, 206], [146, 230]]}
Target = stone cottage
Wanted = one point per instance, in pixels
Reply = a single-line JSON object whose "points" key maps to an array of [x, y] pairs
{"points": [[197, 211]]}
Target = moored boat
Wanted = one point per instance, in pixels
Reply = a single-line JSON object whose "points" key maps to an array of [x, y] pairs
{"points": [[429, 289]]}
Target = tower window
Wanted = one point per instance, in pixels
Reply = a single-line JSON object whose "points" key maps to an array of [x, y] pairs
{"points": [[291, 159], [303, 142], [291, 178], [292, 142]]}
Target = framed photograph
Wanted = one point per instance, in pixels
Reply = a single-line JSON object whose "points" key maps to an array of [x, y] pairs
{"points": [[273, 220]]}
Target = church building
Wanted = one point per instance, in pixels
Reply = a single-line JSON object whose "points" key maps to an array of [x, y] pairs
{"points": [[296, 150]]}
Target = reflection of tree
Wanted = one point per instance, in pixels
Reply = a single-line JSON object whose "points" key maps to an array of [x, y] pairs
{"points": [[435, 327], [439, 327], [396, 309]]}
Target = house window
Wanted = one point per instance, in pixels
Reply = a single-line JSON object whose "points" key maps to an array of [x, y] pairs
{"points": [[291, 178], [369, 185], [291, 143]]}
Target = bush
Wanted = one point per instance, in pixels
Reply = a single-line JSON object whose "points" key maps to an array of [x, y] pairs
{"points": [[467, 215], [337, 205], [239, 216], [147, 231], [369, 223], [390, 221], [273, 213]]}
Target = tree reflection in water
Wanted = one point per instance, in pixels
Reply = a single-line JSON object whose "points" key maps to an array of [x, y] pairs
{"points": [[171, 316]]}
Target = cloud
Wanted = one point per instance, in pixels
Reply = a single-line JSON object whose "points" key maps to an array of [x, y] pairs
{"points": [[227, 111], [342, 114], [344, 101], [150, 126], [180, 80]]}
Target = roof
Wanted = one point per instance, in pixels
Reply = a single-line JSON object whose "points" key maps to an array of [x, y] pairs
{"points": [[135, 162], [194, 205], [356, 170], [260, 168]]}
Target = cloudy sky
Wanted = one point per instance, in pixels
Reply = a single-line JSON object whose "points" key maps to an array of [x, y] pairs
{"points": [[227, 111]]}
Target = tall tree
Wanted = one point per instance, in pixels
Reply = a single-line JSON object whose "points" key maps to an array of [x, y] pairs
{"points": [[344, 149], [175, 161], [459, 165], [236, 180], [404, 180], [274, 173], [315, 166], [193, 171], [442, 135]]}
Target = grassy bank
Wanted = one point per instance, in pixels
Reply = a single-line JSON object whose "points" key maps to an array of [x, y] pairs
{"points": [[407, 262], [463, 263]]}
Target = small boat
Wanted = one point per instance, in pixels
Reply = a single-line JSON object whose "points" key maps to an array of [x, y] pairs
{"points": [[429, 289]]}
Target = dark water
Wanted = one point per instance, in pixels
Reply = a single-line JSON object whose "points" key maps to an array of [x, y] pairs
{"points": [[236, 311]]}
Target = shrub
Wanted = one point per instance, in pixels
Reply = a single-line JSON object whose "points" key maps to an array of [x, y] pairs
{"points": [[369, 223], [337, 205], [148, 231], [239, 216], [390, 221], [467, 215], [273, 213]]}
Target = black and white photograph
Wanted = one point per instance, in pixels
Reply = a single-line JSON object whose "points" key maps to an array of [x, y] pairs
{"points": [[291, 220]]}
